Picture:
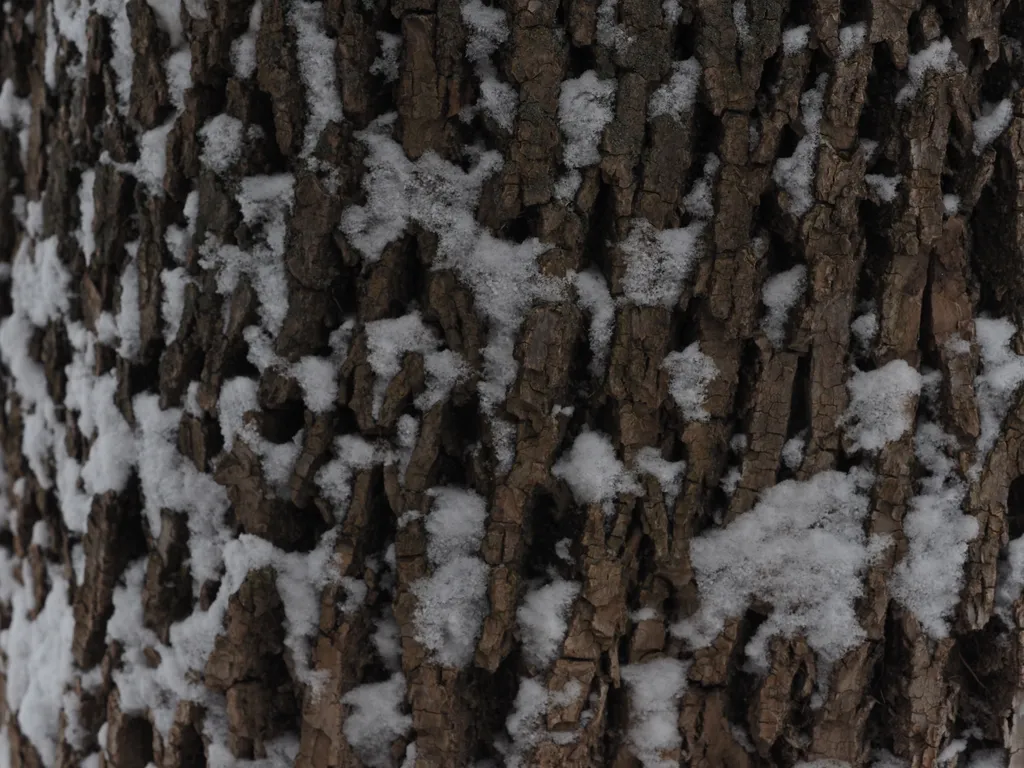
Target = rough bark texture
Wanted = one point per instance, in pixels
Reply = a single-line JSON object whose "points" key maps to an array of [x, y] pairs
{"points": [[929, 267]]}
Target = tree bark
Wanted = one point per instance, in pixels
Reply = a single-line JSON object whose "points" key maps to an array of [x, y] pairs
{"points": [[541, 384]]}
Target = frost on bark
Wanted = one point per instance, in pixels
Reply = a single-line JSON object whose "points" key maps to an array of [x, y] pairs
{"points": [[432, 384]]}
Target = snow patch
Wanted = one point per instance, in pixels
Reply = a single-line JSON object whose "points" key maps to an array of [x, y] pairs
{"points": [[543, 620], [593, 472], [795, 174], [780, 294], [802, 549], [881, 405], [690, 374], [676, 97], [655, 689], [928, 579]]}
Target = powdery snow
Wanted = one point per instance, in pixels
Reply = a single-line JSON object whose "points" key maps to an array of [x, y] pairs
{"points": [[1002, 373], [441, 197], [676, 97], [795, 174], [669, 474], [796, 39], [658, 262], [937, 57], [802, 549], [995, 118], [881, 408], [655, 688], [315, 52], [927, 580], [386, 64], [352, 453], [585, 107], [376, 720], [488, 29], [222, 142], [543, 620], [595, 298], [851, 39], [593, 472], [690, 373], [39, 663], [780, 294], [885, 187], [452, 600]]}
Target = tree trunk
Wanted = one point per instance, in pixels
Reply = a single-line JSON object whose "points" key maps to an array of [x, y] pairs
{"points": [[529, 384]]}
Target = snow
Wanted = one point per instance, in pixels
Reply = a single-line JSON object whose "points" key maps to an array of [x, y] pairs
{"points": [[335, 477], [300, 578], [451, 605], [928, 579], [128, 317], [376, 719], [851, 39], [172, 305], [178, 70], [526, 721], [699, 201], [658, 262], [388, 341], [802, 549], [795, 174], [595, 298], [315, 54], [15, 112], [243, 49], [585, 107], [988, 758], [170, 481], [937, 57], [668, 473], [793, 452], [676, 97], [87, 213], [149, 169], [865, 329], [440, 196], [1002, 373], [317, 377], [610, 33], [488, 29], [951, 204], [995, 118], [264, 202], [455, 525], [655, 688], [452, 600], [796, 39], [39, 663], [780, 294], [386, 64], [112, 456], [593, 472], [40, 282], [543, 620], [741, 22], [222, 143], [883, 186], [690, 373], [881, 405], [168, 15]]}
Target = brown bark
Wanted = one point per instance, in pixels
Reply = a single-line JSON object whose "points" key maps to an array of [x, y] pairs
{"points": [[282, 536]]}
